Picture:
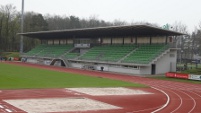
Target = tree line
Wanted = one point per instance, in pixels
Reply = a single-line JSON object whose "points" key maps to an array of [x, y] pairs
{"points": [[10, 20], [10, 25]]}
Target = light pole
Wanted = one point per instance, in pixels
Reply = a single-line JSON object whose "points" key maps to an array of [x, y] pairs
{"points": [[22, 24], [181, 58]]}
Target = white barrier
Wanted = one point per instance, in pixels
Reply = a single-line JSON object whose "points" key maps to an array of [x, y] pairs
{"points": [[194, 77]]}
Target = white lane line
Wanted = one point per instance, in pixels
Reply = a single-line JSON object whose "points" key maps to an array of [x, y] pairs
{"points": [[142, 110], [196, 94], [8, 110], [193, 102], [1, 106], [167, 102], [77, 94], [180, 101]]}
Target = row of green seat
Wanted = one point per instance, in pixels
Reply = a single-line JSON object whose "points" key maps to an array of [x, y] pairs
{"points": [[111, 53], [36, 50], [145, 54], [71, 55], [50, 50]]}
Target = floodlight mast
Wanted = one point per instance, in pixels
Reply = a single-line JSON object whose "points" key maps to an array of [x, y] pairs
{"points": [[22, 24]]}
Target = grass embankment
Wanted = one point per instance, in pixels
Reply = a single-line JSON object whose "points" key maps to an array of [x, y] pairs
{"points": [[20, 77], [193, 71], [10, 54], [190, 71], [176, 79]]}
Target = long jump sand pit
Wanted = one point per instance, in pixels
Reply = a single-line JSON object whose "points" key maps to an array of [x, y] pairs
{"points": [[108, 91], [59, 105], [77, 103]]}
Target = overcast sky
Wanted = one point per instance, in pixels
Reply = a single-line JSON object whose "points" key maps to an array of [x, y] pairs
{"points": [[154, 11]]}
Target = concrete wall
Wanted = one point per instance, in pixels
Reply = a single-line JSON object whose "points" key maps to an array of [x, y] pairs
{"points": [[69, 41], [30, 60], [62, 41], [143, 40], [50, 42], [110, 68], [127, 40], [106, 40], [117, 40], [158, 39], [144, 70], [166, 63], [124, 70], [38, 61], [56, 41], [77, 65]]}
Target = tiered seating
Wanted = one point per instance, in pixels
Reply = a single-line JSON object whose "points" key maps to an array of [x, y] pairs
{"points": [[55, 50], [49, 50], [111, 53], [145, 53], [71, 55], [36, 50]]}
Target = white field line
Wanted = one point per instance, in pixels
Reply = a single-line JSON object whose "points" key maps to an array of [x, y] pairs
{"points": [[167, 102], [1, 106], [8, 110]]}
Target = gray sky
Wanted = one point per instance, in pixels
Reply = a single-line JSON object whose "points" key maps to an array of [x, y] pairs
{"points": [[154, 11]]}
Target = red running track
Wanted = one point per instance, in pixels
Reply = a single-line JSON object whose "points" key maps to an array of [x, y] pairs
{"points": [[175, 97]]}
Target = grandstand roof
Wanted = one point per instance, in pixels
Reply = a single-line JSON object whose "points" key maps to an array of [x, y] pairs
{"points": [[112, 31]]}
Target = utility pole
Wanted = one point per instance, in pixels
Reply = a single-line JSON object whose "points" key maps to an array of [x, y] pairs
{"points": [[22, 24]]}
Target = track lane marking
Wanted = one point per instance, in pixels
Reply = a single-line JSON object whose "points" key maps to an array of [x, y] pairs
{"points": [[8, 110], [167, 102], [1, 106], [181, 101], [142, 110], [193, 101]]}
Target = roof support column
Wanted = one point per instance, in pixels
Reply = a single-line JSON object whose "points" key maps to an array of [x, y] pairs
{"points": [[136, 40], [166, 39], [150, 40], [111, 41], [123, 41]]}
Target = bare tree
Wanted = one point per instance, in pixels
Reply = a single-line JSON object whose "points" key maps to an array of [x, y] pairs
{"points": [[8, 22]]}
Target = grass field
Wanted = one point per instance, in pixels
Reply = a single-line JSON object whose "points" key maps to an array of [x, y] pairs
{"points": [[20, 77]]}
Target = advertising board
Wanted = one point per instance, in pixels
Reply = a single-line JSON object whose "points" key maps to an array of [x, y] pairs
{"points": [[194, 77], [177, 75]]}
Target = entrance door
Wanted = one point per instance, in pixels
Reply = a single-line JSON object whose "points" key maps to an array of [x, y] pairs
{"points": [[153, 69]]}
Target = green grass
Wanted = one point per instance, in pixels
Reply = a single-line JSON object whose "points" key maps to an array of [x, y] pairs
{"points": [[193, 71], [189, 65], [20, 77], [10, 54], [176, 79]]}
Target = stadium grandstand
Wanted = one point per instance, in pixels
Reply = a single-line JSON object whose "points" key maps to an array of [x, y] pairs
{"points": [[135, 49]]}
